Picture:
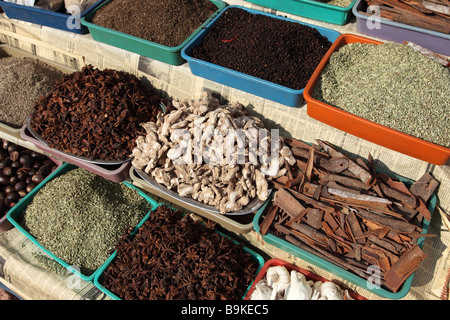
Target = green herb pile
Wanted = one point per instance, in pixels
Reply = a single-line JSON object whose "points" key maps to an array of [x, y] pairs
{"points": [[390, 84], [79, 217]]}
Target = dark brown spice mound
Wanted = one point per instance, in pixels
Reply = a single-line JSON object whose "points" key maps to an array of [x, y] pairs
{"points": [[95, 113], [173, 257], [283, 52], [167, 22]]}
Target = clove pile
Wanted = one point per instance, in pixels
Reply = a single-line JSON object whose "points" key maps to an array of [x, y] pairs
{"points": [[95, 113], [343, 211], [175, 257], [215, 154]]}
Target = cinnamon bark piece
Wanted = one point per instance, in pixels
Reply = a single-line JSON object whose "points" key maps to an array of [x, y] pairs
{"points": [[399, 225], [288, 203], [270, 216], [424, 187], [364, 175], [403, 268]]}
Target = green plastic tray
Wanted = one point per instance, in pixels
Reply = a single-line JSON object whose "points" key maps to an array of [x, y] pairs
{"points": [[310, 9], [98, 280], [16, 214], [153, 50], [331, 267]]}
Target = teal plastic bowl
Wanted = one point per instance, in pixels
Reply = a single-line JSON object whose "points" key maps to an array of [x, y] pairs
{"points": [[311, 9], [331, 267], [98, 280], [15, 215], [239, 80], [153, 50]]}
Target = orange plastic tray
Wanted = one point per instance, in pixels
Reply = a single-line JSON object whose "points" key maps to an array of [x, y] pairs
{"points": [[365, 129]]}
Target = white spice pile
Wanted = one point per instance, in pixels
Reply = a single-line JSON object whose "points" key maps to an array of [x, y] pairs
{"points": [[23, 81]]}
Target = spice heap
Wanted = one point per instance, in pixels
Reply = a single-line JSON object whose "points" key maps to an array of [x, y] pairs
{"points": [[174, 257], [95, 113], [339, 3], [390, 84], [23, 82], [283, 52], [341, 210], [280, 284], [429, 14], [79, 216], [194, 150], [166, 22], [21, 171]]}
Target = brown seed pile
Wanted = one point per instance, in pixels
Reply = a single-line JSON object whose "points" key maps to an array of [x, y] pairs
{"points": [[283, 52], [167, 22], [23, 81], [21, 170], [173, 257], [95, 113]]}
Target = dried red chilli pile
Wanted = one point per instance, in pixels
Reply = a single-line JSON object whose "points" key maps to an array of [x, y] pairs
{"points": [[173, 257], [95, 113]]}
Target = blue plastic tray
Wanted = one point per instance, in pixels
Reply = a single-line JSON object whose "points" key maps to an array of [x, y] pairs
{"points": [[98, 280], [242, 81], [16, 214], [331, 267], [47, 18]]}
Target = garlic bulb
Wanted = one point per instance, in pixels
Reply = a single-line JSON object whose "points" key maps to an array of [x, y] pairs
{"points": [[299, 288], [262, 291], [278, 278], [280, 284], [330, 291]]}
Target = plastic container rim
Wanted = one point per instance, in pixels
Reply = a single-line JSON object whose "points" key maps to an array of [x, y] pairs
{"points": [[335, 269], [53, 13], [258, 258], [66, 167], [341, 41], [245, 76], [87, 21], [310, 275], [396, 24]]}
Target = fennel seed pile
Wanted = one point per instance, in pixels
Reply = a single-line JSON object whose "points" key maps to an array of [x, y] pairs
{"points": [[79, 216], [390, 84]]}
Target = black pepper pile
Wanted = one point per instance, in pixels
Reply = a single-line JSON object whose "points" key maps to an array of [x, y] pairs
{"points": [[173, 257], [280, 51], [167, 22]]}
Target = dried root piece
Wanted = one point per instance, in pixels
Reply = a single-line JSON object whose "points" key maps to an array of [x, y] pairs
{"points": [[215, 154]]}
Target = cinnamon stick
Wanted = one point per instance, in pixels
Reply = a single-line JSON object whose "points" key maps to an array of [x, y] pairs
{"points": [[403, 268], [401, 226], [288, 203]]}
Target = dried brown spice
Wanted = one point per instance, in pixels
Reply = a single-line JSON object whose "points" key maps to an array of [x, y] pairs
{"points": [[174, 257], [345, 212], [95, 113]]}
